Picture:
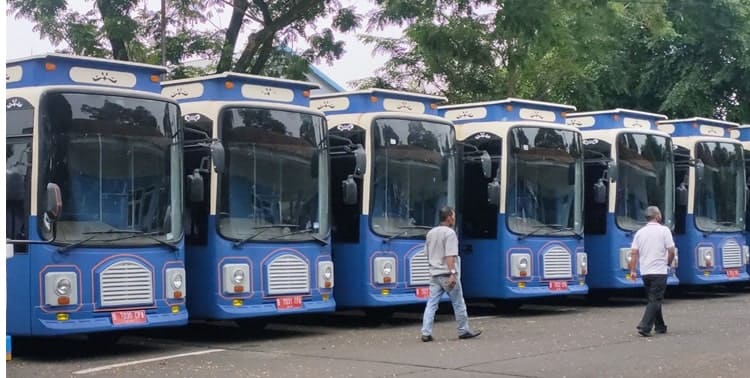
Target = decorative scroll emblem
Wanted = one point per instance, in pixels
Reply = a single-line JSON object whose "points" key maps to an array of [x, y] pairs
{"points": [[574, 122], [268, 91], [324, 105], [482, 135], [713, 131], [103, 75], [178, 92], [536, 115], [465, 114], [590, 141], [13, 102], [345, 127], [403, 105], [195, 117]]}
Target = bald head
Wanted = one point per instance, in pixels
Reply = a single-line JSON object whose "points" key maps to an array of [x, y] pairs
{"points": [[653, 213]]}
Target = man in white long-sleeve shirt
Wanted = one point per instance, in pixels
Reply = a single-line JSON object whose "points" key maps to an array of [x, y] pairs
{"points": [[653, 248]]}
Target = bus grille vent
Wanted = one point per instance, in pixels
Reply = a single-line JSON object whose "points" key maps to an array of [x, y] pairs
{"points": [[126, 283], [557, 263], [419, 269], [288, 274], [731, 255]]}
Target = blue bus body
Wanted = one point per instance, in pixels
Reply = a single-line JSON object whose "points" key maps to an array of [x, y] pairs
{"points": [[257, 236], [392, 169], [710, 206], [93, 213], [629, 166], [520, 216], [743, 135]]}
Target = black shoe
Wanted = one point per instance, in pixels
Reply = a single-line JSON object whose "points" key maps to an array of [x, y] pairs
{"points": [[426, 338], [643, 333], [469, 335], [661, 330]]}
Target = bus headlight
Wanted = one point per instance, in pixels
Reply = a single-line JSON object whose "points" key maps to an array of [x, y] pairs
{"points": [[583, 263], [705, 257], [625, 258], [520, 265], [176, 279], [325, 274], [385, 270], [60, 288], [236, 279], [745, 255]]}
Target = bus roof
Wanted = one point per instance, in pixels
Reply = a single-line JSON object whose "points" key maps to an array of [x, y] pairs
{"points": [[697, 126], [615, 119], [63, 69], [742, 132], [375, 100], [232, 86], [507, 110]]}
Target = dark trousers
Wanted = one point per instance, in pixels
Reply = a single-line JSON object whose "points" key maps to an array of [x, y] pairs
{"points": [[655, 285]]}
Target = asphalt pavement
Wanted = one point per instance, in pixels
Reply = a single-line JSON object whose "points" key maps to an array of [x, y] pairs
{"points": [[709, 336]]}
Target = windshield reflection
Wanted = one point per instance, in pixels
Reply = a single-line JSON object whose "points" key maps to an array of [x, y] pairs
{"points": [[720, 194]]}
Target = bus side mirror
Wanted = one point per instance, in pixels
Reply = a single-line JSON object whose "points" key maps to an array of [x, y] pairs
{"points": [[681, 194], [493, 193], [612, 171], [360, 161], [486, 164], [217, 155], [54, 201], [349, 191], [699, 169], [195, 187], [600, 192]]}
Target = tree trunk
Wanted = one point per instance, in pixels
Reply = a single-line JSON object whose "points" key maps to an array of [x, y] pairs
{"points": [[230, 40]]}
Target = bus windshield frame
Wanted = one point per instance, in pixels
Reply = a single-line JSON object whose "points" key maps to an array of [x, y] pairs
{"points": [[645, 177], [274, 187], [117, 159], [720, 193], [537, 166], [413, 175]]}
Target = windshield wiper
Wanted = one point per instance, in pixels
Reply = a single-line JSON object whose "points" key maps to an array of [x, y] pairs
{"points": [[406, 231], [557, 228], [135, 233], [570, 229], [314, 236], [150, 236], [719, 225], [262, 229]]}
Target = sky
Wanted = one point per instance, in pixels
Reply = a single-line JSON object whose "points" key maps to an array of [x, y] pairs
{"points": [[358, 61]]}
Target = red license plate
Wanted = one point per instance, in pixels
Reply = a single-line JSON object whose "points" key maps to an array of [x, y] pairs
{"points": [[423, 292], [129, 317], [285, 303], [558, 285], [733, 273]]}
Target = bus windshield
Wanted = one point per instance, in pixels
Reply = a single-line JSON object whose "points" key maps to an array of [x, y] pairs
{"points": [[545, 185], [414, 175], [645, 173], [275, 184], [117, 161], [720, 194]]}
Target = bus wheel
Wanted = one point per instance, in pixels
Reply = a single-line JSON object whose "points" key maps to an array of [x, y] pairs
{"points": [[104, 338], [252, 326], [376, 316], [507, 306]]}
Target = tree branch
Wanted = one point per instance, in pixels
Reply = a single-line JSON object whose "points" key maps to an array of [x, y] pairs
{"points": [[239, 7]]}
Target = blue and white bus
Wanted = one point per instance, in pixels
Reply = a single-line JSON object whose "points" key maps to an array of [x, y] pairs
{"points": [[743, 134], [393, 166], [94, 192], [521, 209], [710, 189], [257, 230], [629, 165]]}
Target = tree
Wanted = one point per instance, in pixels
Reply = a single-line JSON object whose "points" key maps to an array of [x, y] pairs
{"points": [[679, 57], [119, 29]]}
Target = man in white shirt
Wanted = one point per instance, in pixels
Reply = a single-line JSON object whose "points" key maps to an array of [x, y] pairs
{"points": [[653, 248]]}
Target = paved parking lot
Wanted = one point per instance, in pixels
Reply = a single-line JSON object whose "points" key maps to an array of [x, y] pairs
{"points": [[709, 336]]}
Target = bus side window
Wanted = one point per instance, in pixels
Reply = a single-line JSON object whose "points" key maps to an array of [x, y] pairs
{"points": [[681, 180], [198, 177], [596, 155], [345, 226], [20, 124]]}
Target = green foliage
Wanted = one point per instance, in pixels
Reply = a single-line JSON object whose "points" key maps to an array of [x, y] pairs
{"points": [[680, 57]]}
